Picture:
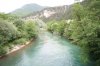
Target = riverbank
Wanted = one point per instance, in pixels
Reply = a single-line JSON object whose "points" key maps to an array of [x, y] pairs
{"points": [[47, 50], [18, 47]]}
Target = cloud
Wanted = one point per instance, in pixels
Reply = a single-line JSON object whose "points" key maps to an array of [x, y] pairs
{"points": [[10, 5]]}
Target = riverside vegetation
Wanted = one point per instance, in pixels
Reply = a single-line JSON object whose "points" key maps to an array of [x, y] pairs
{"points": [[83, 29], [15, 31]]}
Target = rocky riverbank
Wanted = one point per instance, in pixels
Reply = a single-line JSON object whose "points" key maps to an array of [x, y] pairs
{"points": [[18, 47]]}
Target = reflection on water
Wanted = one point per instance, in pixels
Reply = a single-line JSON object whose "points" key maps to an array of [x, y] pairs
{"points": [[47, 50]]}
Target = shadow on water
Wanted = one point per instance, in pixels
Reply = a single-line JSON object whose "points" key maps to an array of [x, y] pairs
{"points": [[47, 50]]}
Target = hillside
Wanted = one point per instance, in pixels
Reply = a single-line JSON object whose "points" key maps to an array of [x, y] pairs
{"points": [[52, 13], [27, 9]]}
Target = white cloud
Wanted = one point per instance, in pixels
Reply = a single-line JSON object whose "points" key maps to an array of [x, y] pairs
{"points": [[10, 5]]}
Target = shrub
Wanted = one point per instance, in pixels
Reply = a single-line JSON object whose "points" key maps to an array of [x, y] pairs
{"points": [[2, 51], [20, 41]]}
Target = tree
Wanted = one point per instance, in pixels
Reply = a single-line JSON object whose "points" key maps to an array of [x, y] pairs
{"points": [[86, 28], [30, 29], [8, 32]]}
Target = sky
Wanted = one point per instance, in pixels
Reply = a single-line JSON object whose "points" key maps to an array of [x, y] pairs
{"points": [[7, 6]]}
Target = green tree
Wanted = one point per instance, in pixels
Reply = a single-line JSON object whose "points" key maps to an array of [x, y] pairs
{"points": [[30, 29], [8, 32], [86, 28]]}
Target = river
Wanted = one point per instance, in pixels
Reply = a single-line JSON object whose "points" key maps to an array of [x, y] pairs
{"points": [[46, 50]]}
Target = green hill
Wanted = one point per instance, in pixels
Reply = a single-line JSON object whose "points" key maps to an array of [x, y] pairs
{"points": [[27, 9]]}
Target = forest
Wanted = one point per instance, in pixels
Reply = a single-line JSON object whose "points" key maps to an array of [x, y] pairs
{"points": [[83, 29]]}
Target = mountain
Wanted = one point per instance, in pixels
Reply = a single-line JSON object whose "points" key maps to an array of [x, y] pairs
{"points": [[27, 9], [52, 13]]}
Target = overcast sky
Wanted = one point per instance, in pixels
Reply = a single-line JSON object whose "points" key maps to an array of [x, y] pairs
{"points": [[10, 5]]}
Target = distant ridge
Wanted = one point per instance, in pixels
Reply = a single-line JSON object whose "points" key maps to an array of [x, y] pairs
{"points": [[27, 9]]}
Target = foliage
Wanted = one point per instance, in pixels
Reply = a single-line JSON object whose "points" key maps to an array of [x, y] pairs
{"points": [[57, 26], [8, 32], [4, 16], [20, 41], [84, 30], [14, 30], [30, 28], [2, 51]]}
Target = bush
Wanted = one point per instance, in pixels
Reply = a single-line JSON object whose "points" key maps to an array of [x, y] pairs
{"points": [[20, 41], [2, 51]]}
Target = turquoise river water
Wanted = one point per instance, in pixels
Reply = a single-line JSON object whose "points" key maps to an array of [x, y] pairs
{"points": [[46, 50]]}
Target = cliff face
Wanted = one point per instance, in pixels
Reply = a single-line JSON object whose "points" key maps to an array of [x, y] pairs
{"points": [[52, 13]]}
